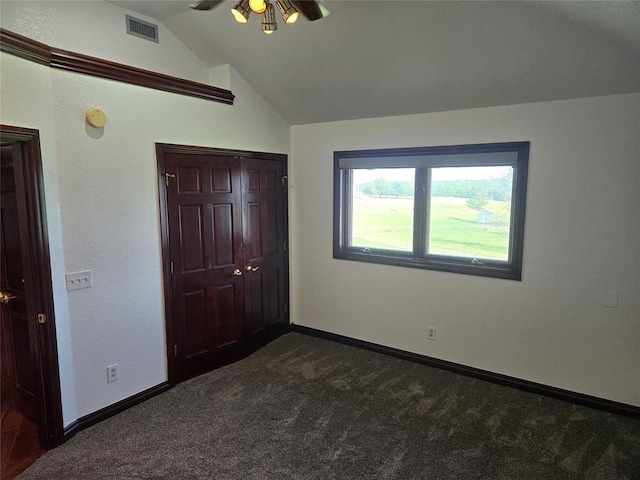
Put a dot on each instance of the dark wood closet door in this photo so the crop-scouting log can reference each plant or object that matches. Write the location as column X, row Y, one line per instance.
column 205, row 233
column 18, row 364
column 264, row 250
column 224, row 232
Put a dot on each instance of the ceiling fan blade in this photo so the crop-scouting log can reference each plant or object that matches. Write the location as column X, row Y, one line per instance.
column 205, row 4
column 311, row 9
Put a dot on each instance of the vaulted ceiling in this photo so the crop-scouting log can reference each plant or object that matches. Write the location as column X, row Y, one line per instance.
column 381, row 58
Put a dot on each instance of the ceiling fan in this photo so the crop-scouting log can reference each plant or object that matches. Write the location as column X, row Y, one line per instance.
column 290, row 10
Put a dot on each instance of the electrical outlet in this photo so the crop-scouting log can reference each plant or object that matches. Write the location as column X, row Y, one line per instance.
column 612, row 299
column 431, row 333
column 112, row 373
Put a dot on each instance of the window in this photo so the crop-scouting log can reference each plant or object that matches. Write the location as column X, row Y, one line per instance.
column 457, row 209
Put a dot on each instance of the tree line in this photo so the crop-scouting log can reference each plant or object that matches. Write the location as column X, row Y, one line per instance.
column 498, row 189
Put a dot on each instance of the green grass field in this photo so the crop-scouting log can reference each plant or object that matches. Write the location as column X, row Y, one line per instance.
column 454, row 230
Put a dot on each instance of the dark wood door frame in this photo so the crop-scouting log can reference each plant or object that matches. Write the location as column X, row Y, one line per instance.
column 161, row 150
column 27, row 156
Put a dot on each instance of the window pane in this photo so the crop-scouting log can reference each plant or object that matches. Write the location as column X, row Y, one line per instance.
column 382, row 208
column 469, row 207
column 470, row 212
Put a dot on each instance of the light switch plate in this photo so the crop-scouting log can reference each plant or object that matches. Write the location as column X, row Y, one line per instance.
column 78, row 280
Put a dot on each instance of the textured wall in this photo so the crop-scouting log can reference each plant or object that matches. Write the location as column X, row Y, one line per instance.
column 98, row 29
column 102, row 198
column 23, row 106
column 581, row 240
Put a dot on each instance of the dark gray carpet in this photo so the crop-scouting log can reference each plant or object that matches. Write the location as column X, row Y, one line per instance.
column 305, row 408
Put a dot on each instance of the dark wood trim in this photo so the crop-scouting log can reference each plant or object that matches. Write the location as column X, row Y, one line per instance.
column 31, row 50
column 161, row 150
column 285, row 225
column 221, row 152
column 70, row 431
column 49, row 402
column 24, row 47
column 525, row 385
column 76, row 62
column 166, row 259
column 106, row 412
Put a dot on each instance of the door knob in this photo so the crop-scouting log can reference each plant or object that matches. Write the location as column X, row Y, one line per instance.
column 6, row 297
column 236, row 272
column 252, row 269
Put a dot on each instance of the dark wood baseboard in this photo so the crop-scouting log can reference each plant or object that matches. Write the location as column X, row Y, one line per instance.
column 111, row 410
column 106, row 412
column 525, row 385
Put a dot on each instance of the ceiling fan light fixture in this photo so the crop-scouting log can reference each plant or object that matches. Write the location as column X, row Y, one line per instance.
column 241, row 11
column 288, row 11
column 324, row 11
column 269, row 24
column 258, row 6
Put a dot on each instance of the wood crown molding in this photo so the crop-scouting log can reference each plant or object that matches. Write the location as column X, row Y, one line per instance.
column 37, row 52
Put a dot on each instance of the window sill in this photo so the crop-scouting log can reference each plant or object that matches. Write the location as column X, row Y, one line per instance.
column 442, row 264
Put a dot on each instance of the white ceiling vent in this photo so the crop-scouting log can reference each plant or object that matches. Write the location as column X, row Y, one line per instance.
column 142, row 29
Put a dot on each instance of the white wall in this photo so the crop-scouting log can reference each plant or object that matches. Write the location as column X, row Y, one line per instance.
column 102, row 199
column 31, row 98
column 582, row 229
column 98, row 29
column 582, row 239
